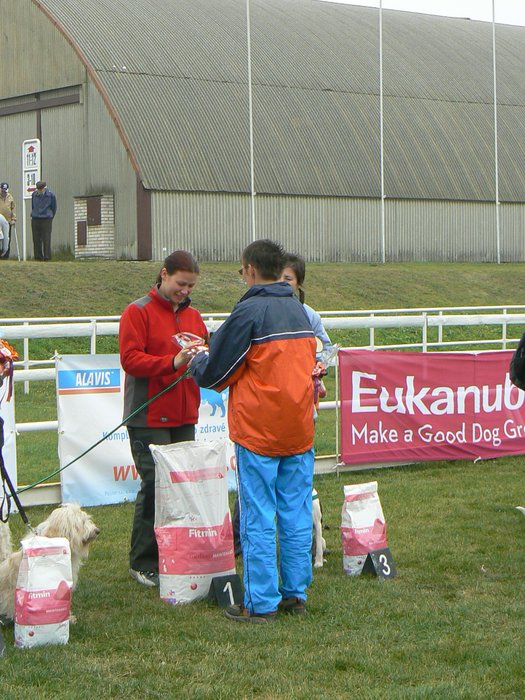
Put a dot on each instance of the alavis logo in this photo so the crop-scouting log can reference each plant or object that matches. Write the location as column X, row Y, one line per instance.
column 88, row 381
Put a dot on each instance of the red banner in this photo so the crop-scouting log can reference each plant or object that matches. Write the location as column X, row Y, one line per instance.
column 415, row 406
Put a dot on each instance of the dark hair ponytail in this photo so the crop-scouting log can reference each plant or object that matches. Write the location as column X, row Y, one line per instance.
column 179, row 260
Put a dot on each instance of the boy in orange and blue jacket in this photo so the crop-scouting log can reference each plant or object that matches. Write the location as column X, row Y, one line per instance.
column 265, row 353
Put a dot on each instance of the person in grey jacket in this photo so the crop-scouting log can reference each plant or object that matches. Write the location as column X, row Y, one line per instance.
column 43, row 210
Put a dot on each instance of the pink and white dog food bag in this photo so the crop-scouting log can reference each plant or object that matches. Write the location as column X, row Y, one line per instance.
column 43, row 592
column 192, row 518
column 363, row 526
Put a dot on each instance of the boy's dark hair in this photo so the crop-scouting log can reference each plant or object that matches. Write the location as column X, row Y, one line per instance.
column 297, row 264
column 266, row 256
column 179, row 260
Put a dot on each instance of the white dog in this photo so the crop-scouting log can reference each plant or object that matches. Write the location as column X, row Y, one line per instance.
column 318, row 541
column 67, row 521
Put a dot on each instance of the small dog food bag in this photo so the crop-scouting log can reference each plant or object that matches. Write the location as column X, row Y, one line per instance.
column 43, row 592
column 363, row 527
column 192, row 518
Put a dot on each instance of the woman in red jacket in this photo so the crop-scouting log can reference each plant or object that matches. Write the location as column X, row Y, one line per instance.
column 152, row 361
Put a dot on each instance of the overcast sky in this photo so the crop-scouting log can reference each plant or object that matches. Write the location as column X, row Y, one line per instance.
column 506, row 11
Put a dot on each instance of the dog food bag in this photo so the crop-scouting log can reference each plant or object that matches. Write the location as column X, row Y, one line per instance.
column 43, row 592
column 192, row 518
column 363, row 527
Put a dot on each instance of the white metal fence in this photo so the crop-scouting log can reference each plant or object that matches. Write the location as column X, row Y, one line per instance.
column 506, row 319
column 441, row 318
column 509, row 320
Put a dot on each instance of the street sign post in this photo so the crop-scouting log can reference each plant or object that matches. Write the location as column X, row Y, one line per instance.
column 30, row 165
column 31, row 158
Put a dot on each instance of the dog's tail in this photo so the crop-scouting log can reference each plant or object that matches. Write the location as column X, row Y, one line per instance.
column 6, row 546
column 521, row 509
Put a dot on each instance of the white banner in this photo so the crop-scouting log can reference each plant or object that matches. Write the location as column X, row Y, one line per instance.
column 7, row 411
column 213, row 424
column 89, row 406
column 90, row 391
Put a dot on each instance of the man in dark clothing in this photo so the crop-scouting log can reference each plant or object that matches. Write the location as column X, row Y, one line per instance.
column 43, row 210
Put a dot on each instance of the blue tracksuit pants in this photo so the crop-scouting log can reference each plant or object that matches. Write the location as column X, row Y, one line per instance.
column 275, row 495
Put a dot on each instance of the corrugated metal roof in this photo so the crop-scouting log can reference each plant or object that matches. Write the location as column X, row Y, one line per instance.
column 187, row 135
column 451, row 153
column 175, row 72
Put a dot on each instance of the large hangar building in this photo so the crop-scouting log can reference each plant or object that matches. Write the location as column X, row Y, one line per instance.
column 166, row 124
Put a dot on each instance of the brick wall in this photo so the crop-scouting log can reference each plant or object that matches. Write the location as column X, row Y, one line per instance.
column 95, row 240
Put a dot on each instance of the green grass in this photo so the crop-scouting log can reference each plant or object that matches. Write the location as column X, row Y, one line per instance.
column 105, row 287
column 450, row 625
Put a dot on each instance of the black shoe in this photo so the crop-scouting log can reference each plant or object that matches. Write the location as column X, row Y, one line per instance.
column 241, row 614
column 294, row 606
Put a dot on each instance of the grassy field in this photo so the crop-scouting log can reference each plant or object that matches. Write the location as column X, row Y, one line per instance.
column 105, row 287
column 450, row 625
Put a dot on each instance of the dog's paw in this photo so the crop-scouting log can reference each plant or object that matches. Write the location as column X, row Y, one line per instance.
column 318, row 565
column 72, row 619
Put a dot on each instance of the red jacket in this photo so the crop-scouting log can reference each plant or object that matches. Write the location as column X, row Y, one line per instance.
column 146, row 354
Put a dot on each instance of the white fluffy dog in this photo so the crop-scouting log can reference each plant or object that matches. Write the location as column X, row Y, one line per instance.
column 68, row 521
column 318, row 541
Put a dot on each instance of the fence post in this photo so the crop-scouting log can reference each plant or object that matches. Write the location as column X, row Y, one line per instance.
column 26, row 358
column 93, row 337
column 424, row 346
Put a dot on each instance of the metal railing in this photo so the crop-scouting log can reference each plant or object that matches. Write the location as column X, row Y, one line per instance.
column 431, row 317
column 26, row 369
column 503, row 317
column 372, row 320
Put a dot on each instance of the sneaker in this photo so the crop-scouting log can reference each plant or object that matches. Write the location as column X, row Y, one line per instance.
column 294, row 606
column 241, row 614
column 146, row 578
